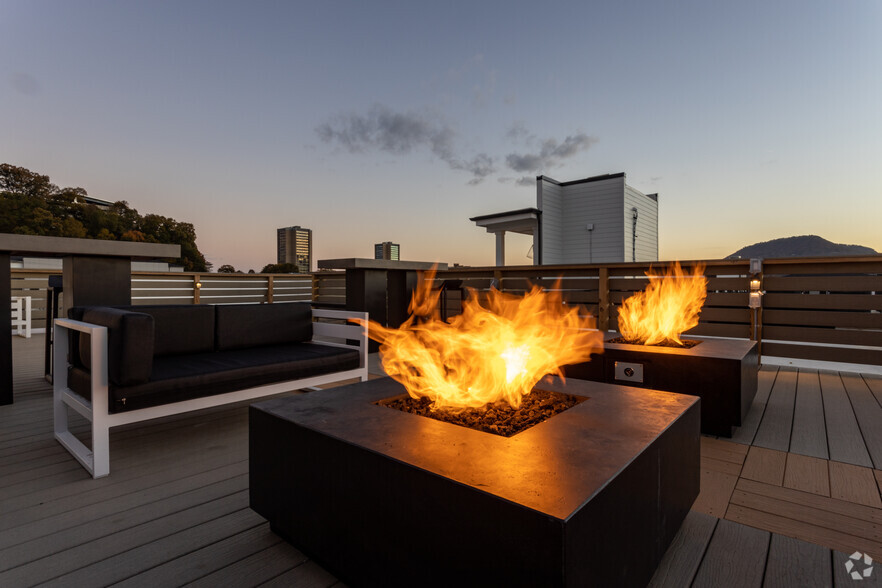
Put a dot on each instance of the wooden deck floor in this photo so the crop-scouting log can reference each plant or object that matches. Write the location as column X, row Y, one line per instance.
column 783, row 503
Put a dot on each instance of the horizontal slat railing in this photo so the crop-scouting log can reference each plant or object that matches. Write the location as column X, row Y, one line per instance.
column 600, row 289
column 33, row 283
column 330, row 288
column 816, row 309
column 826, row 309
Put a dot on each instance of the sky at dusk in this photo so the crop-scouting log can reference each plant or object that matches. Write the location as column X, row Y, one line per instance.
column 397, row 121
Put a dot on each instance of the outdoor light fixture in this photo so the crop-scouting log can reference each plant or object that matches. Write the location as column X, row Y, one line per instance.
column 198, row 284
column 756, row 296
column 756, row 266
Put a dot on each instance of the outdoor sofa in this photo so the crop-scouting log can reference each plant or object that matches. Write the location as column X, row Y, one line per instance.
column 119, row 365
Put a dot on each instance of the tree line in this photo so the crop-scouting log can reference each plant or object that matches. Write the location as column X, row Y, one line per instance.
column 30, row 204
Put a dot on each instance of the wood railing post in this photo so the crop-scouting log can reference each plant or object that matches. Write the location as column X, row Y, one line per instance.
column 603, row 300
column 315, row 287
column 197, row 286
column 758, row 323
column 269, row 290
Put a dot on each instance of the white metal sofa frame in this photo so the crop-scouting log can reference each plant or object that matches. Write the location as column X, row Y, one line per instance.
column 97, row 461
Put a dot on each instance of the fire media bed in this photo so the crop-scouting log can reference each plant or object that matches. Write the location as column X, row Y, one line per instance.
column 592, row 496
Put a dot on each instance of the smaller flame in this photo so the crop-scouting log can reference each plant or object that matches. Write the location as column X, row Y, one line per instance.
column 668, row 306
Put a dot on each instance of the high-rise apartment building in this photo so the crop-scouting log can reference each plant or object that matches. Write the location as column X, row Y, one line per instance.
column 295, row 246
column 387, row 250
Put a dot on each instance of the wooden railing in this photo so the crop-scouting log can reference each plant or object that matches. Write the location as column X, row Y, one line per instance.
column 192, row 288
column 827, row 309
column 33, row 283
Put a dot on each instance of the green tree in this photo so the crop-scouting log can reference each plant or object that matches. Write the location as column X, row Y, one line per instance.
column 226, row 269
column 19, row 180
column 279, row 268
column 30, row 204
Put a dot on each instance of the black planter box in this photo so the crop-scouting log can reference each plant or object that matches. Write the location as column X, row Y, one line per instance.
column 722, row 372
column 379, row 497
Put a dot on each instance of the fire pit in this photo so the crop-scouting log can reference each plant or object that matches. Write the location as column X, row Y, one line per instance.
column 651, row 354
column 723, row 372
column 380, row 497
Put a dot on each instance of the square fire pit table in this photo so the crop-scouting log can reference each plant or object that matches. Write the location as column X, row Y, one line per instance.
column 723, row 372
column 591, row 497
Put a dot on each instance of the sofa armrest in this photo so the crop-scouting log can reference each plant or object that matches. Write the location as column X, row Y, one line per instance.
column 97, row 362
column 341, row 334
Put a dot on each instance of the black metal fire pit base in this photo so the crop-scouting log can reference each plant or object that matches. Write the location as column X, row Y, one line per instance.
column 380, row 497
column 723, row 372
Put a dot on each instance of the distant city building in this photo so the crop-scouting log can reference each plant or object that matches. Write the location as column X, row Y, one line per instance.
column 295, row 246
column 387, row 250
column 600, row 219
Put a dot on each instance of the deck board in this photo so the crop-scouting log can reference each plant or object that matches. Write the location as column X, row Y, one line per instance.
column 854, row 484
column 765, row 465
column 774, row 430
column 747, row 431
column 868, row 413
column 843, row 434
column 735, row 557
column 841, row 579
column 793, row 562
column 254, row 569
column 809, row 435
column 681, row 561
column 192, row 566
column 808, row 474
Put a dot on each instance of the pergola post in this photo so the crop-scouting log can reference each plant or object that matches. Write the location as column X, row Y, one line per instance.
column 500, row 248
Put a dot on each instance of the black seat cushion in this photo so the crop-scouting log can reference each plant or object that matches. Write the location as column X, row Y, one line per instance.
column 177, row 378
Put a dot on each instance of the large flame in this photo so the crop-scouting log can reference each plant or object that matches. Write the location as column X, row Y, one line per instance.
column 666, row 308
column 487, row 353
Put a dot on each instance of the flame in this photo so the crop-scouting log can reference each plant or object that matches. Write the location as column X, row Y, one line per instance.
column 668, row 307
column 487, row 353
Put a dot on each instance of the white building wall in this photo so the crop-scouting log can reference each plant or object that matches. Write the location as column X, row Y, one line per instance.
column 548, row 200
column 599, row 203
column 647, row 225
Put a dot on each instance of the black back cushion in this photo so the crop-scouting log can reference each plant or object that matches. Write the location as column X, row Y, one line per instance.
column 181, row 328
column 253, row 325
column 129, row 344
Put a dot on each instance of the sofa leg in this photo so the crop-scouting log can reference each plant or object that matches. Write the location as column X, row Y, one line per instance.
column 100, row 450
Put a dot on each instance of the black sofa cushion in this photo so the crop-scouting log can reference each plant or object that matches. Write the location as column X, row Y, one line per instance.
column 254, row 325
column 177, row 378
column 129, row 344
column 178, row 329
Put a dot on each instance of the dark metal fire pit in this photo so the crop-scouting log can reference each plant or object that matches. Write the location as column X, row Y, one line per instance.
column 380, row 497
column 723, row 372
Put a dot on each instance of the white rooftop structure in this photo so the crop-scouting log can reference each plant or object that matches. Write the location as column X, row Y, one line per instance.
column 599, row 219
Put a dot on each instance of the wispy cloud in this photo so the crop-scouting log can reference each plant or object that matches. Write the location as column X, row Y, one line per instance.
column 401, row 133
column 550, row 154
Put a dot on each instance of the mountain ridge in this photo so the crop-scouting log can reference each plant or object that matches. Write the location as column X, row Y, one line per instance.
column 800, row 246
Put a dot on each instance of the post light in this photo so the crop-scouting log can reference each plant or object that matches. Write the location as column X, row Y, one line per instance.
column 756, row 296
column 756, row 265
column 198, row 284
